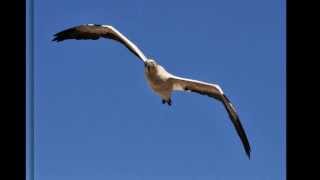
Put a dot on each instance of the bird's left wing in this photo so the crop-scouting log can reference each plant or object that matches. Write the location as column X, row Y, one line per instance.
column 94, row 32
column 213, row 90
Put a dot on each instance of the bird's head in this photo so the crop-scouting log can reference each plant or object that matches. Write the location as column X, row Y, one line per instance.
column 150, row 65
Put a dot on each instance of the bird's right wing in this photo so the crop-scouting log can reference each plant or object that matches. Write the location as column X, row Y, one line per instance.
column 94, row 32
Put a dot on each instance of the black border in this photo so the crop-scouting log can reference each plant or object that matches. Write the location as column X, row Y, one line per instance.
column 302, row 79
column 13, row 59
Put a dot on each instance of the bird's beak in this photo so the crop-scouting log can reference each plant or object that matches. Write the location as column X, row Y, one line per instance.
column 147, row 66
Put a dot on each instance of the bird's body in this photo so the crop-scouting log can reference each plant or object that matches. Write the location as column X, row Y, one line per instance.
column 159, row 79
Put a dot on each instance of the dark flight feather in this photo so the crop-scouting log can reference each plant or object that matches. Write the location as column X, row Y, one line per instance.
column 214, row 92
column 93, row 32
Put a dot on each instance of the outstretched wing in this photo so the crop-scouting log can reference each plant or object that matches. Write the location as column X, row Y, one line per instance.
column 214, row 91
column 94, row 32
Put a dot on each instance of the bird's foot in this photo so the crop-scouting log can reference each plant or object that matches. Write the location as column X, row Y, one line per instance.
column 169, row 102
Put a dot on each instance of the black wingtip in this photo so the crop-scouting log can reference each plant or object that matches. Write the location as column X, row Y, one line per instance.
column 237, row 123
column 57, row 37
column 246, row 144
column 248, row 151
column 63, row 35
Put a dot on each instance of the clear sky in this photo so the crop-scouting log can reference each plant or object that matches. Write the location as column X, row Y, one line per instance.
column 96, row 118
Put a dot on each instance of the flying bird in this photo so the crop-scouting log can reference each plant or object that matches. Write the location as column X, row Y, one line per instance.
column 159, row 79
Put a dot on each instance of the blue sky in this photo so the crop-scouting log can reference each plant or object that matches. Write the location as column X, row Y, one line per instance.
column 92, row 122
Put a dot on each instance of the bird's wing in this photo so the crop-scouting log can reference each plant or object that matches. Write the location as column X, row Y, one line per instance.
column 213, row 90
column 94, row 32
